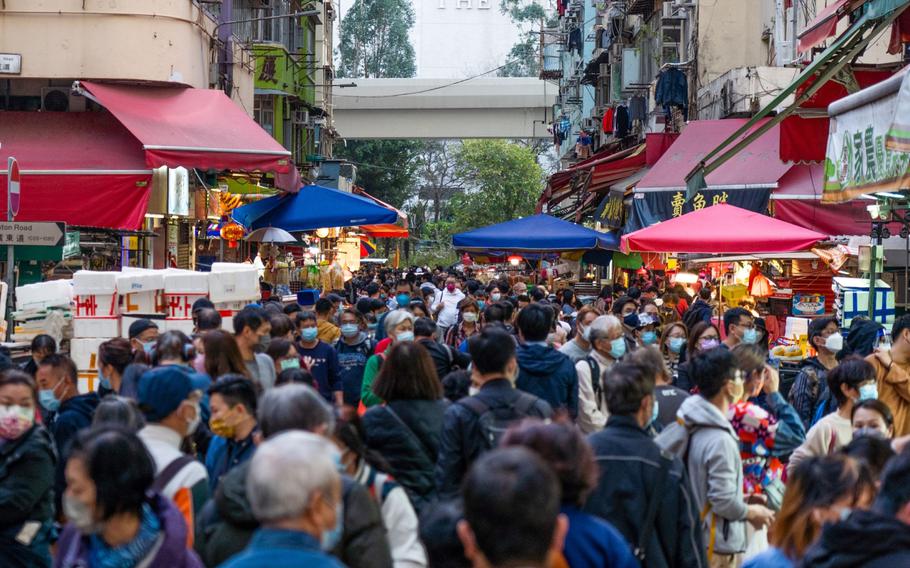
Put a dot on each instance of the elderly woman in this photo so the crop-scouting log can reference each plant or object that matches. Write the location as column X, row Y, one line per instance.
column 295, row 493
column 607, row 346
column 399, row 326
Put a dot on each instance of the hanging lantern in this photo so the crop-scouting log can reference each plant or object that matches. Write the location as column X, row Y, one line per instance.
column 232, row 232
column 322, row 233
column 515, row 260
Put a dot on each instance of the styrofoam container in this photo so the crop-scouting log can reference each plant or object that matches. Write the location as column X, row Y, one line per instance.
column 94, row 328
column 796, row 327
column 95, row 305
column 42, row 295
column 227, row 323
column 184, row 325
column 134, row 280
column 88, row 381
column 178, row 281
column 230, row 306
column 233, row 283
column 84, row 352
column 148, row 302
column 180, row 306
column 88, row 282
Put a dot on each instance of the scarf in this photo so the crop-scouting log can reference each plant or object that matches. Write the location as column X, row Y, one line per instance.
column 101, row 555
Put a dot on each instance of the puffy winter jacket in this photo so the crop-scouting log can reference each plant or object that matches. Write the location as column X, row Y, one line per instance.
column 866, row 539
column 550, row 375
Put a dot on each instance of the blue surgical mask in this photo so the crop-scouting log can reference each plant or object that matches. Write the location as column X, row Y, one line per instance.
column 677, row 344
column 403, row 300
column 750, row 336
column 309, row 334
column 48, row 400
column 649, row 337
column 618, row 348
column 331, row 538
column 405, row 336
column 868, row 392
column 481, row 304
column 148, row 347
column 349, row 329
column 654, row 412
column 105, row 382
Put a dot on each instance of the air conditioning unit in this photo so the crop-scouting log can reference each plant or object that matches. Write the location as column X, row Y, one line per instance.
column 60, row 99
column 590, row 124
column 348, row 170
column 301, row 116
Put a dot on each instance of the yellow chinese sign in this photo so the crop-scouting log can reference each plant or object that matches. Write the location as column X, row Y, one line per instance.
column 678, row 201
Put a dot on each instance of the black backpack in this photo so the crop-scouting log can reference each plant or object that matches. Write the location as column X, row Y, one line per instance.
column 494, row 422
column 596, row 383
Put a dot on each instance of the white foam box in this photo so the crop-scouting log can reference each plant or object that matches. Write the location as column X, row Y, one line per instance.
column 107, row 328
column 229, row 282
column 227, row 322
column 42, row 295
column 184, row 325
column 138, row 280
column 95, row 294
column 180, row 306
column 178, row 281
column 95, row 306
column 84, row 352
column 796, row 327
column 88, row 381
column 138, row 303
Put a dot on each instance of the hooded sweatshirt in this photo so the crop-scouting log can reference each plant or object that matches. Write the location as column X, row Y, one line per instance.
column 711, row 452
column 867, row 539
column 550, row 375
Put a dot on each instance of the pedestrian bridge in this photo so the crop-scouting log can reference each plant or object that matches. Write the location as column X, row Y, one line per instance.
column 500, row 107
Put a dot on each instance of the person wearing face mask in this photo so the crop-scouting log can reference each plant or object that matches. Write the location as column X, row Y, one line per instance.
column 233, row 423
column 403, row 292
column 114, row 357
column 579, row 347
column 284, row 353
column 65, row 410
column 399, row 327
column 170, row 405
column 320, row 359
column 354, row 349
column 446, row 307
column 872, row 417
column 673, row 347
column 892, row 373
column 467, row 324
column 702, row 337
column 810, row 386
column 608, row 346
column 252, row 330
column 116, row 514
column 27, row 463
column 852, row 381
column 739, row 326
column 704, row 438
column 645, row 329
column 495, row 293
column 143, row 334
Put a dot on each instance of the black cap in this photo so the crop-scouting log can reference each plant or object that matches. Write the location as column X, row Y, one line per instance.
column 138, row 326
column 201, row 304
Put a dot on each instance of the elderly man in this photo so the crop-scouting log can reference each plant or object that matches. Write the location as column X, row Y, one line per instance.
column 295, row 492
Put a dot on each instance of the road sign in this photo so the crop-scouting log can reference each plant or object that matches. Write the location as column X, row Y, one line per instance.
column 12, row 182
column 14, row 233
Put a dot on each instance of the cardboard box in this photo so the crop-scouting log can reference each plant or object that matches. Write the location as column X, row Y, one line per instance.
column 94, row 328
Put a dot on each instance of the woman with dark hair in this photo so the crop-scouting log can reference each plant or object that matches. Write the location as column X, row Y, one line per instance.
column 114, row 356
column 116, row 516
column 284, row 354
column 871, row 450
column 819, row 491
column 27, row 464
column 297, row 375
column 591, row 542
column 673, row 346
column 282, row 327
column 466, row 325
column 406, row 429
column 702, row 337
column 369, row 469
column 222, row 356
column 120, row 411
column 42, row 346
column 872, row 417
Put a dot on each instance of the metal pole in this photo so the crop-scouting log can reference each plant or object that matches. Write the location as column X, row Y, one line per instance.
column 876, row 239
column 10, row 257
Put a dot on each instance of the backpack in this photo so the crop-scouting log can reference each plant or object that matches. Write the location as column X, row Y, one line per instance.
column 596, row 383
column 494, row 422
column 824, row 408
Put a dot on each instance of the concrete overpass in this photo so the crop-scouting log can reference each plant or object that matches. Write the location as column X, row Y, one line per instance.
column 500, row 107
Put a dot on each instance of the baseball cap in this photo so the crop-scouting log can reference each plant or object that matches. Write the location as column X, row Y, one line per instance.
column 140, row 325
column 162, row 390
column 201, row 304
column 638, row 321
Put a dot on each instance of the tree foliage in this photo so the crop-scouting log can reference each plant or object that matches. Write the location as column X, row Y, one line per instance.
column 524, row 57
column 385, row 168
column 505, row 181
column 375, row 41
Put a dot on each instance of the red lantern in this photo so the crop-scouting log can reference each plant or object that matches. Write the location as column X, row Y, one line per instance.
column 232, row 232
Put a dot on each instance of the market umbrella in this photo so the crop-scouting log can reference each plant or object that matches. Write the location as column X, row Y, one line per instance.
column 721, row 228
column 271, row 235
column 313, row 207
column 534, row 234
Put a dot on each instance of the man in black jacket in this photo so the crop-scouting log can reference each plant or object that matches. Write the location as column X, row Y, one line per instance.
column 474, row 424
column 634, row 471
column 879, row 538
column 700, row 310
column 445, row 359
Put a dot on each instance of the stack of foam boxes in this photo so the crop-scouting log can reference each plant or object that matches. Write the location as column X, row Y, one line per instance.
column 96, row 318
column 231, row 287
column 36, row 307
column 181, row 290
column 141, row 297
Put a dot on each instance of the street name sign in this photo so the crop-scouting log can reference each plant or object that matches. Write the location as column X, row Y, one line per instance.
column 33, row 234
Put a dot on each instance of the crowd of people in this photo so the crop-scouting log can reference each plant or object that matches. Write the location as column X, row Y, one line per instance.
column 430, row 418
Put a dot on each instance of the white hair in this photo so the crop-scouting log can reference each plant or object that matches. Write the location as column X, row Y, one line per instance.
column 286, row 470
column 394, row 318
column 602, row 326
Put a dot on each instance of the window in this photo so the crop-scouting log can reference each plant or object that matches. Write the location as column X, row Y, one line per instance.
column 264, row 112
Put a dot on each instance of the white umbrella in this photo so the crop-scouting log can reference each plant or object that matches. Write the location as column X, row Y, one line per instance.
column 271, row 235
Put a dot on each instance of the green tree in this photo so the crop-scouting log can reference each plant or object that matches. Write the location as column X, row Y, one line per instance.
column 385, row 168
column 524, row 57
column 505, row 181
column 375, row 41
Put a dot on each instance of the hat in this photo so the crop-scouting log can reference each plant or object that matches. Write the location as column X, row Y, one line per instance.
column 639, row 321
column 140, row 325
column 201, row 304
column 307, row 297
column 162, row 390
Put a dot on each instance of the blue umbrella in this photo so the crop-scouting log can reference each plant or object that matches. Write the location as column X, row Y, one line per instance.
column 534, row 234
column 313, row 207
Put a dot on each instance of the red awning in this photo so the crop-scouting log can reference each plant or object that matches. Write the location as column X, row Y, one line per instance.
column 823, row 26
column 607, row 173
column 756, row 166
column 194, row 128
column 81, row 168
column 724, row 229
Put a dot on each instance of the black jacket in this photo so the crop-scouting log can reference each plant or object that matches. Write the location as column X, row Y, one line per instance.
column 629, row 463
column 700, row 310
column 406, row 433
column 227, row 524
column 73, row 415
column 548, row 374
column 866, row 539
column 445, row 359
column 462, row 438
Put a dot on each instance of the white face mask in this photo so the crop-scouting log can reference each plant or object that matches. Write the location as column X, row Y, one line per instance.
column 834, row 342
column 80, row 515
column 472, row 390
column 469, row 317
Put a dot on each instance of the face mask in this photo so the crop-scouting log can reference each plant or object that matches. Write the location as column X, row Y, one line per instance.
column 834, row 342
column 586, row 332
column 405, row 336
column 80, row 515
column 331, row 538
column 105, row 382
column 618, row 348
column 15, row 420
column 199, row 363
column 383, row 296
column 495, row 296
column 192, row 424
column 403, row 300
column 372, row 326
column 221, row 428
column 48, row 400
column 868, row 392
column 481, row 304
column 290, row 364
column 309, row 334
column 654, row 412
column 472, row 390
column 349, row 329
column 649, row 337
column 450, row 287
column 148, row 347
column 750, row 336
column 263, row 344
column 677, row 344
column 707, row 344
column 469, row 317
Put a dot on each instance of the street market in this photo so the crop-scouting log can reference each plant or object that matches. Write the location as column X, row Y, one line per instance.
column 455, row 283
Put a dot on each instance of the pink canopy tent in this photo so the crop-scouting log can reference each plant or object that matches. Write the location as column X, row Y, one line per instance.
column 722, row 229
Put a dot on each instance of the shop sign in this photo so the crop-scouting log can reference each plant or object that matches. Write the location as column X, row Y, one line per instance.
column 859, row 160
column 178, row 191
column 610, row 212
column 10, row 63
column 650, row 207
column 32, row 234
column 808, row 305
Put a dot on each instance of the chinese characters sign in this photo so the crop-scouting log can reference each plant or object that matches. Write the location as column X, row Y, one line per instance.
column 655, row 206
column 610, row 212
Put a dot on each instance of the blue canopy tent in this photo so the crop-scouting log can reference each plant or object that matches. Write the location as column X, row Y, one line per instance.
column 538, row 235
column 313, row 207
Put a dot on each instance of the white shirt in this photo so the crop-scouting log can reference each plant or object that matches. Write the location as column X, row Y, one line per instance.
column 449, row 313
column 592, row 417
column 164, row 446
